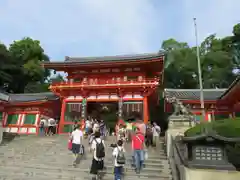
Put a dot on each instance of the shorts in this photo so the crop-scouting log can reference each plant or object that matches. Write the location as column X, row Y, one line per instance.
column 76, row 148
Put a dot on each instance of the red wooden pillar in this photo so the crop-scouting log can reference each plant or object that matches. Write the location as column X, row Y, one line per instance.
column 61, row 123
column 38, row 119
column 145, row 110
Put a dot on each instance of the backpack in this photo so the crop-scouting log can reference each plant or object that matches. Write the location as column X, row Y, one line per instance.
column 149, row 130
column 41, row 124
column 121, row 157
column 100, row 150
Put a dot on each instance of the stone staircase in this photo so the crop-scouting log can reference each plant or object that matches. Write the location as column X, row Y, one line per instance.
column 41, row 158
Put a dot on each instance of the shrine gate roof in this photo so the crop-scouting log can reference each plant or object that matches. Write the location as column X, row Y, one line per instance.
column 194, row 94
column 126, row 59
column 135, row 57
column 30, row 97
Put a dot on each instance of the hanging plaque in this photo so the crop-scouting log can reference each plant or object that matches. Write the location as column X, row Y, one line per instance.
column 120, row 104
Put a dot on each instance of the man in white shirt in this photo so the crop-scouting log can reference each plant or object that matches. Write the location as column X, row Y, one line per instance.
column 76, row 138
column 156, row 133
column 119, row 161
column 51, row 126
column 97, row 162
column 96, row 127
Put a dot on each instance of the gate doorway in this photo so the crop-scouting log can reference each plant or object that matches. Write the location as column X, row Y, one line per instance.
column 107, row 111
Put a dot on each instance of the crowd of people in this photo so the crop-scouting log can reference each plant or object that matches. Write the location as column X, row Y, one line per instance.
column 47, row 126
column 93, row 125
column 141, row 136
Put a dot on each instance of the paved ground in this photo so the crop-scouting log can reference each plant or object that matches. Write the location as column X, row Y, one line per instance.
column 41, row 158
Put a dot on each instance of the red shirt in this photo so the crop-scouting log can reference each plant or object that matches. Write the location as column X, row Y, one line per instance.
column 137, row 142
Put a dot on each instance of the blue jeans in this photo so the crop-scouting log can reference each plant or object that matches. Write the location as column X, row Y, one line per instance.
column 138, row 159
column 41, row 131
column 118, row 172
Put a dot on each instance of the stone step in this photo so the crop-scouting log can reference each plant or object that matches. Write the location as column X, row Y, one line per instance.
column 6, row 151
column 85, row 163
column 82, row 177
column 48, row 158
column 55, row 150
column 69, row 160
column 67, row 172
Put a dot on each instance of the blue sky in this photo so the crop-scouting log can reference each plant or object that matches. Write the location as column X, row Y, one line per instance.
column 113, row 27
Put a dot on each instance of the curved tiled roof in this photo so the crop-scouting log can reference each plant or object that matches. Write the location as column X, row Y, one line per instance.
column 4, row 97
column 194, row 94
column 106, row 59
column 32, row 97
column 234, row 84
column 132, row 57
column 29, row 97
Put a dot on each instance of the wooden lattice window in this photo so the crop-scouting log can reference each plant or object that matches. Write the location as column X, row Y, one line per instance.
column 73, row 112
column 30, row 119
column 129, row 108
column 12, row 119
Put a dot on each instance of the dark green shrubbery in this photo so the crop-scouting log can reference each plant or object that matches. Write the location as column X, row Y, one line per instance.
column 227, row 128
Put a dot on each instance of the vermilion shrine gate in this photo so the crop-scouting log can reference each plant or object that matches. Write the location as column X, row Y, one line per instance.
column 131, row 81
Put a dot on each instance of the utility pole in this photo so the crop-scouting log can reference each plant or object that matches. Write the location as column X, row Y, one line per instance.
column 199, row 72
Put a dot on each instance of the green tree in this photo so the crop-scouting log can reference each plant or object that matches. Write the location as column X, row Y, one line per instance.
column 57, row 79
column 217, row 67
column 231, row 44
column 180, row 65
column 28, row 56
column 219, row 57
column 5, row 65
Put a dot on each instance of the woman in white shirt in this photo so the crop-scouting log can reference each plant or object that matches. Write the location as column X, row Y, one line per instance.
column 97, row 162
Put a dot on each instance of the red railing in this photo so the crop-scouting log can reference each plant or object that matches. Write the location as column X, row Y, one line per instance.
column 107, row 83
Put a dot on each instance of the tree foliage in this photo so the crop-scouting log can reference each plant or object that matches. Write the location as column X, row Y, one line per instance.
column 220, row 62
column 21, row 66
column 21, row 70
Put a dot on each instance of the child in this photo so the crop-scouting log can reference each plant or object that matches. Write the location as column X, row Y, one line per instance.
column 121, row 132
column 119, row 160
